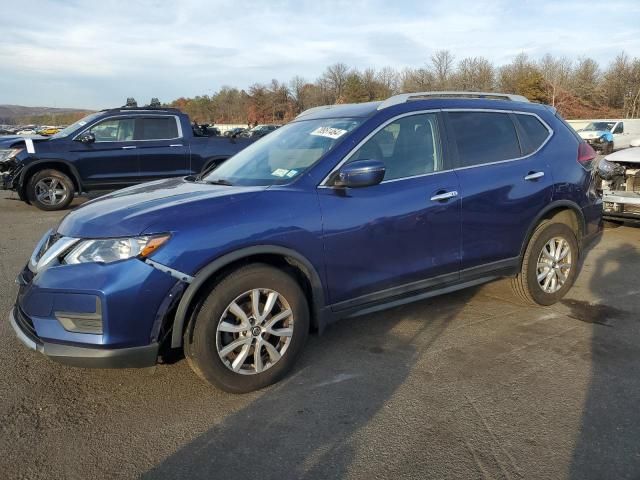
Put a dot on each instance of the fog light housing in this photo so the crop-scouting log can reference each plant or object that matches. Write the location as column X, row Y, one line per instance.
column 78, row 322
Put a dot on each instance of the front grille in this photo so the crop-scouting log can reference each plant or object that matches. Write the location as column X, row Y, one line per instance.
column 25, row 324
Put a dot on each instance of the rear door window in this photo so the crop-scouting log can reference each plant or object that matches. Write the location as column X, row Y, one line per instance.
column 535, row 131
column 484, row 137
column 156, row 128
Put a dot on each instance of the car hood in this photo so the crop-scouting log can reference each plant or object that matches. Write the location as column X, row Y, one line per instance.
column 588, row 135
column 628, row 155
column 10, row 140
column 150, row 208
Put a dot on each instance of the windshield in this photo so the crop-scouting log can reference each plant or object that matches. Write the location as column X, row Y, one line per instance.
column 599, row 126
column 65, row 132
column 284, row 154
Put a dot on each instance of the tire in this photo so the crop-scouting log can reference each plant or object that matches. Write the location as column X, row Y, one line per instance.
column 217, row 326
column 526, row 286
column 50, row 190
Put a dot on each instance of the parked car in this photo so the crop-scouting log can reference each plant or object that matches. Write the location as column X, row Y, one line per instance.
column 234, row 132
column 260, row 131
column 609, row 135
column 313, row 223
column 620, row 172
column 47, row 131
column 27, row 131
column 108, row 150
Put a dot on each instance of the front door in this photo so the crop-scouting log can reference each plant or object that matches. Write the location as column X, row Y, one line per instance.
column 395, row 238
column 112, row 160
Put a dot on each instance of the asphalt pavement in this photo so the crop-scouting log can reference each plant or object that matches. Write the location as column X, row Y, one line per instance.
column 466, row 385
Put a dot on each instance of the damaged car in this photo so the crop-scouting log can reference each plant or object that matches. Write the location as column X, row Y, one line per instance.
column 620, row 174
column 109, row 150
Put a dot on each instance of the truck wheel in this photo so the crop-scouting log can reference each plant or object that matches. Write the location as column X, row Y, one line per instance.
column 549, row 266
column 50, row 190
column 249, row 330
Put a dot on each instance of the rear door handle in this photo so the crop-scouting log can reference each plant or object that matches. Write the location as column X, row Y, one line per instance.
column 130, row 147
column 444, row 196
column 534, row 175
column 176, row 145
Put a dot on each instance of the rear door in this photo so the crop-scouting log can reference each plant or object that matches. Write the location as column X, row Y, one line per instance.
column 162, row 150
column 505, row 181
column 111, row 160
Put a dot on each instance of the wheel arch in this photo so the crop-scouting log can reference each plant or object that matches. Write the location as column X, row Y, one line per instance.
column 60, row 165
column 565, row 209
column 280, row 257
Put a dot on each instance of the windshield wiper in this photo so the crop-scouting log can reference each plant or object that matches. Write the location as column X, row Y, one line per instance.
column 219, row 181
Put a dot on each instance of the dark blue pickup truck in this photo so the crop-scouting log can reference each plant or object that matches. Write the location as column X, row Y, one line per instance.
column 108, row 150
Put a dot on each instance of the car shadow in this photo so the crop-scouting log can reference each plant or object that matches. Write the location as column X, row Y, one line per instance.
column 303, row 427
column 608, row 444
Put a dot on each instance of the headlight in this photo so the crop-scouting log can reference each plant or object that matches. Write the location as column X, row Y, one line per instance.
column 113, row 249
column 8, row 153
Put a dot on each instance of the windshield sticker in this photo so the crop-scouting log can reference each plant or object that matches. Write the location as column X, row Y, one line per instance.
column 30, row 146
column 329, row 132
column 280, row 172
column 81, row 123
column 292, row 173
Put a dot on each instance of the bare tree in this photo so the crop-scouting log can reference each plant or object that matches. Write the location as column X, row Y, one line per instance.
column 475, row 74
column 557, row 74
column 442, row 69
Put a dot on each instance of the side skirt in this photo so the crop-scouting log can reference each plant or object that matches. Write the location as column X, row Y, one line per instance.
column 423, row 289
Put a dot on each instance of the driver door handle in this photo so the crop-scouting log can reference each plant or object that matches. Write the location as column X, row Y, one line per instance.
column 444, row 196
column 130, row 147
column 534, row 175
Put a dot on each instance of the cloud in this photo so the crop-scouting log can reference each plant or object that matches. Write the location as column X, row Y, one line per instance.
column 94, row 55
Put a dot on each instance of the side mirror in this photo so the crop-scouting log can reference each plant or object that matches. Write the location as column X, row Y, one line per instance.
column 87, row 137
column 361, row 173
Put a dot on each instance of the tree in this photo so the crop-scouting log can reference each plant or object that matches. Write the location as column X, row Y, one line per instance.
column 475, row 74
column 442, row 69
column 523, row 77
column 557, row 74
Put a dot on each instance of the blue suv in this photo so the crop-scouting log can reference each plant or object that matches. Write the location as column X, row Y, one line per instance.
column 346, row 210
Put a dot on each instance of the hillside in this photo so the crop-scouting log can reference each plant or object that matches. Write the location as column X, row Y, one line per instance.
column 17, row 114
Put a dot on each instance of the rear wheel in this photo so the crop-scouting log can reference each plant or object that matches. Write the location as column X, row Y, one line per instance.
column 50, row 190
column 249, row 330
column 550, row 265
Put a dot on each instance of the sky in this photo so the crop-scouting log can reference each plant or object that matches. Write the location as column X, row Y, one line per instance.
column 78, row 54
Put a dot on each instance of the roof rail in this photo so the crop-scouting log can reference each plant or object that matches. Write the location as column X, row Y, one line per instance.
column 315, row 109
column 406, row 97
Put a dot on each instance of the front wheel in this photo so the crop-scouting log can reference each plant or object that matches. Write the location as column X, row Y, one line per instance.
column 249, row 330
column 50, row 190
column 550, row 265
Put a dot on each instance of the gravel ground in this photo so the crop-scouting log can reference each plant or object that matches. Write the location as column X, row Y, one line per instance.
column 467, row 385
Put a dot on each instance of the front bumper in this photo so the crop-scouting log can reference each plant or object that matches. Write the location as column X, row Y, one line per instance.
column 621, row 205
column 132, row 357
column 9, row 174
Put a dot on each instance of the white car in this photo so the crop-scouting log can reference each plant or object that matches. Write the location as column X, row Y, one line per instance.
column 28, row 131
column 620, row 172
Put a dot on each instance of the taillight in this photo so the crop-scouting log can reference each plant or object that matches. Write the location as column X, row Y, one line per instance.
column 586, row 155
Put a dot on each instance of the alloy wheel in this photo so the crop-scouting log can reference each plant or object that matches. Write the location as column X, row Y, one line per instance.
column 554, row 265
column 254, row 331
column 51, row 191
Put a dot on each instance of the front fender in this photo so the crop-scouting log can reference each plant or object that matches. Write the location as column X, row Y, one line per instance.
column 207, row 272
